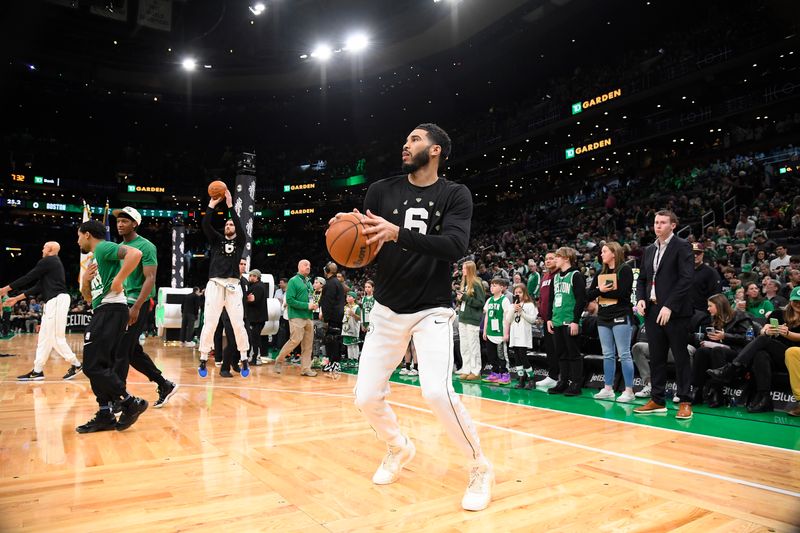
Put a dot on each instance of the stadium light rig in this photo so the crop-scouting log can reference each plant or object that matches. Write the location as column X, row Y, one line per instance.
column 257, row 8
column 356, row 42
column 322, row 52
column 189, row 64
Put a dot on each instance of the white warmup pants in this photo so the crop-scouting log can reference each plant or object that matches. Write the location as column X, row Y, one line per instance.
column 384, row 348
column 52, row 333
column 470, row 343
column 217, row 298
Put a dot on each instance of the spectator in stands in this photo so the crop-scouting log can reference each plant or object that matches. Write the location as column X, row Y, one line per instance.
column 724, row 339
column 793, row 365
column 534, row 279
column 520, row 337
column 662, row 291
column 772, row 288
column 765, row 354
column 496, row 323
column 792, row 281
column 749, row 255
column 705, row 283
column 782, row 259
column 32, row 316
column 545, row 297
column 470, row 298
column 566, row 308
column 615, row 323
column 745, row 225
column 756, row 305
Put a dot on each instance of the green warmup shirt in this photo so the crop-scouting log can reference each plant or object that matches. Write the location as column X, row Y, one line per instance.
column 563, row 299
column 134, row 282
column 108, row 266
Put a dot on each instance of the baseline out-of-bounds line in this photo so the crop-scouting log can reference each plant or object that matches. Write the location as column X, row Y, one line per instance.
column 620, row 455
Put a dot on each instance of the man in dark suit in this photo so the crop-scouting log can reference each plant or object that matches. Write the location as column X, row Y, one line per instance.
column 662, row 291
column 332, row 312
column 256, row 312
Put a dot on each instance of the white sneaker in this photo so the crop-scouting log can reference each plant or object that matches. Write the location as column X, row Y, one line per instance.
column 479, row 491
column 190, row 344
column 604, row 394
column 546, row 383
column 396, row 458
column 644, row 393
column 626, row 397
column 676, row 399
column 413, row 372
column 404, row 372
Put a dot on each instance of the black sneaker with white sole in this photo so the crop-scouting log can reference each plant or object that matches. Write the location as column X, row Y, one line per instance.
column 73, row 371
column 104, row 420
column 165, row 393
column 31, row 376
column 130, row 412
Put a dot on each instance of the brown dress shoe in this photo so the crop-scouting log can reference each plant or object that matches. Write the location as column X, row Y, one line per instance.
column 649, row 408
column 472, row 377
column 795, row 411
column 684, row 411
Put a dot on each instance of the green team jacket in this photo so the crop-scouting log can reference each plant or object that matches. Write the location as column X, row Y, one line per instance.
column 471, row 307
column 297, row 291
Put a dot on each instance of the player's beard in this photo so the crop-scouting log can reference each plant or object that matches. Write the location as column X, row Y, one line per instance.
column 417, row 162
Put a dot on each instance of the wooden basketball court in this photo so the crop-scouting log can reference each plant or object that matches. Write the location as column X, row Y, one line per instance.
column 285, row 453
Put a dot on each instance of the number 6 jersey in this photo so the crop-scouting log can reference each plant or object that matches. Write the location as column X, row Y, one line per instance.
column 414, row 272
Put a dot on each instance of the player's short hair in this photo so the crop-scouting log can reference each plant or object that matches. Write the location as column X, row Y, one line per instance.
column 500, row 281
column 94, row 228
column 438, row 136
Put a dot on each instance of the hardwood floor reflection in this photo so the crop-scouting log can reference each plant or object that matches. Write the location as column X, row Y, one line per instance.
column 285, row 453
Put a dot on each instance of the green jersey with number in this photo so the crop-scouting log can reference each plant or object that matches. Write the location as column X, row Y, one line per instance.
column 563, row 298
column 494, row 312
column 367, row 303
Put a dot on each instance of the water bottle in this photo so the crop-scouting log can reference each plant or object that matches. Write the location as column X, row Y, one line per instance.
column 750, row 334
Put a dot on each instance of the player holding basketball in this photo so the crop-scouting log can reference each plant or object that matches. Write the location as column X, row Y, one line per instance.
column 223, row 289
column 421, row 224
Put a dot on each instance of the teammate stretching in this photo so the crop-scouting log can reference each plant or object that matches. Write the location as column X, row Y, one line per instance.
column 140, row 286
column 421, row 224
column 223, row 289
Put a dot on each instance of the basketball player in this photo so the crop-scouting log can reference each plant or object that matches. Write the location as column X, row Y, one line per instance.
column 140, row 286
column 223, row 289
column 47, row 278
column 103, row 286
column 420, row 224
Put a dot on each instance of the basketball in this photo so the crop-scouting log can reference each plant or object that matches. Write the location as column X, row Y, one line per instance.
column 216, row 189
column 347, row 243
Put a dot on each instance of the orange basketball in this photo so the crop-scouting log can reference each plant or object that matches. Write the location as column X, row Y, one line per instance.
column 216, row 189
column 347, row 243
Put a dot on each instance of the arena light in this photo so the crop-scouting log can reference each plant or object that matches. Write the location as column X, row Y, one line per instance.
column 322, row 52
column 356, row 42
column 189, row 64
column 257, row 8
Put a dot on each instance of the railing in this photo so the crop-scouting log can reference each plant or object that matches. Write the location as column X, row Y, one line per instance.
column 684, row 231
column 708, row 219
column 729, row 206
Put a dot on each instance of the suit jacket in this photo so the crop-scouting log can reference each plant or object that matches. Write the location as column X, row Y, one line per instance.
column 674, row 278
column 332, row 300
